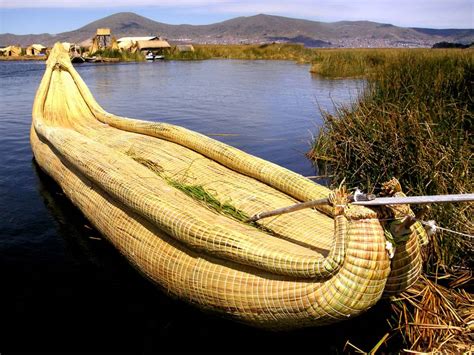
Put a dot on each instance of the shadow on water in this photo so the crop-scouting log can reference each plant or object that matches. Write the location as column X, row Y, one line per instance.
column 90, row 298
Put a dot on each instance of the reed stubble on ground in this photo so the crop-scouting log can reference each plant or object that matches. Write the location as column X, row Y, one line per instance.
column 414, row 121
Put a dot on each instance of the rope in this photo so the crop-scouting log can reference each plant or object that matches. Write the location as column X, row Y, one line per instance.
column 358, row 195
column 432, row 225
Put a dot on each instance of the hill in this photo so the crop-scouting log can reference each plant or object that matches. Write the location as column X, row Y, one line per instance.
column 256, row 29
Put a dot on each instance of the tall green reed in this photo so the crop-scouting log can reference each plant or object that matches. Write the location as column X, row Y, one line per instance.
column 414, row 121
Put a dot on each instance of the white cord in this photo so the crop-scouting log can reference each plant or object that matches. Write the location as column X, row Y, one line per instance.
column 390, row 249
column 431, row 227
column 357, row 194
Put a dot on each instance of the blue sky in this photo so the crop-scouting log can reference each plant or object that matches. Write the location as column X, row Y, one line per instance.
column 54, row 16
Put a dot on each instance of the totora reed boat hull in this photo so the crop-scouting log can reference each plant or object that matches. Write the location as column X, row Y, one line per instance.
column 174, row 203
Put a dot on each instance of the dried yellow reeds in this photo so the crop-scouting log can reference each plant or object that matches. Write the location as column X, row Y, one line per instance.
column 435, row 318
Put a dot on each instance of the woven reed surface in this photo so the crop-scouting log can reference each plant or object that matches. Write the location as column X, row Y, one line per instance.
column 407, row 262
column 259, row 298
column 315, row 268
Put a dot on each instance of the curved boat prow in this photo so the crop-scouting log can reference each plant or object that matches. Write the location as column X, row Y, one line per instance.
column 134, row 180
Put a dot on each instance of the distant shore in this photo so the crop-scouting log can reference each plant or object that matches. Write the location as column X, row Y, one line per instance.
column 23, row 58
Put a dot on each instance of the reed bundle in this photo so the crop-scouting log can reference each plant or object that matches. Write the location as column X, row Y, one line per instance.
column 172, row 201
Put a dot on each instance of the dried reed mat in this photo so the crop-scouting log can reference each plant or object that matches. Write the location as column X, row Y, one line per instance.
column 137, row 183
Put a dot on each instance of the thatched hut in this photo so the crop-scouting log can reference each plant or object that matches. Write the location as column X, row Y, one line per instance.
column 126, row 43
column 155, row 46
column 104, row 37
column 11, row 51
column 185, row 48
column 102, row 40
column 36, row 49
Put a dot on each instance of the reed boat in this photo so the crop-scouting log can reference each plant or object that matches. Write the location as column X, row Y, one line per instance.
column 175, row 203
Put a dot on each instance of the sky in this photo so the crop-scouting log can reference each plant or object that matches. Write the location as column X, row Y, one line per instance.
column 55, row 16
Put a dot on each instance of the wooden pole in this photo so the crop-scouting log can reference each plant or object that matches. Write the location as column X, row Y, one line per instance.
column 369, row 200
column 292, row 208
column 302, row 205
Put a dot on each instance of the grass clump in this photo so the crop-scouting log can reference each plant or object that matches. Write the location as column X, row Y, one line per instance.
column 414, row 122
column 198, row 193
column 344, row 63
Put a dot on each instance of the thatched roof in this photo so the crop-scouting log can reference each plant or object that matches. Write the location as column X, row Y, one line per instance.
column 135, row 39
column 128, row 42
column 157, row 44
column 38, row 47
column 103, row 32
column 125, row 44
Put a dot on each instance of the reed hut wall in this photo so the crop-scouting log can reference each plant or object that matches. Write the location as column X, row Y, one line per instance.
column 12, row 51
column 36, row 49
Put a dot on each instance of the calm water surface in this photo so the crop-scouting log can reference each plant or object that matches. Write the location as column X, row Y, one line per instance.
column 64, row 287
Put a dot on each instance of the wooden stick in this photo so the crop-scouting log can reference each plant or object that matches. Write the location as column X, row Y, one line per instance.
column 413, row 200
column 292, row 208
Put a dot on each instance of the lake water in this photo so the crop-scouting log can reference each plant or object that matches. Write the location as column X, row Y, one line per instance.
column 63, row 287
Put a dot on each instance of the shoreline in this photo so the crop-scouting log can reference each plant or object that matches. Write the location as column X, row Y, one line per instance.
column 23, row 58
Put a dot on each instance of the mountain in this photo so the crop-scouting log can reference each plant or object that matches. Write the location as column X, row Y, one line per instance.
column 257, row 29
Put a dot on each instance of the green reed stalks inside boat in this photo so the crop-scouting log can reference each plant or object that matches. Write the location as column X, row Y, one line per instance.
column 198, row 193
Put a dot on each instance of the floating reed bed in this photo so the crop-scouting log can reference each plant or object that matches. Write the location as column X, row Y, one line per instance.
column 344, row 63
column 277, row 51
column 414, row 121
